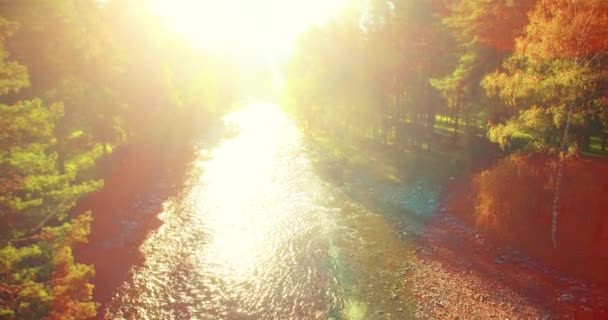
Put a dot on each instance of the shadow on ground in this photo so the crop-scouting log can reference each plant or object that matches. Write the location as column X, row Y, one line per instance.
column 458, row 273
column 136, row 186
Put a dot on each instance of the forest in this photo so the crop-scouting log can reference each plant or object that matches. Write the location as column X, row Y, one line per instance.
column 512, row 95
column 513, row 92
column 79, row 81
column 418, row 73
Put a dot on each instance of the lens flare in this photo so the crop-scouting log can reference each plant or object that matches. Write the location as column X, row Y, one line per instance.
column 248, row 30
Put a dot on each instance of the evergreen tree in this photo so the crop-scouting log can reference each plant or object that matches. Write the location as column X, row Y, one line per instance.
column 38, row 275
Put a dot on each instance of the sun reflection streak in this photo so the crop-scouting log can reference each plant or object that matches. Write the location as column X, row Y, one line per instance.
column 235, row 178
column 257, row 234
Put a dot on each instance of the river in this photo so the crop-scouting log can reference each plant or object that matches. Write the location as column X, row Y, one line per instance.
column 258, row 233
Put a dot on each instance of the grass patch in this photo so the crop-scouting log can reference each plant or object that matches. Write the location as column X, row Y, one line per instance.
column 595, row 147
column 349, row 156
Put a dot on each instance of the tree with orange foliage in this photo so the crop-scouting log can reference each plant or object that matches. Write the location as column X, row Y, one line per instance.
column 495, row 23
column 486, row 31
column 558, row 71
column 555, row 80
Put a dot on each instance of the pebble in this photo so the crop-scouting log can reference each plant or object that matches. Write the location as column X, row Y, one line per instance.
column 565, row 297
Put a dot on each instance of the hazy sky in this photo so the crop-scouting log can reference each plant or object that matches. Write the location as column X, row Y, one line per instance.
column 248, row 29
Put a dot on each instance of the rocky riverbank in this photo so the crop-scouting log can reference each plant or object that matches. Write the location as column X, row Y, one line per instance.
column 126, row 210
column 461, row 275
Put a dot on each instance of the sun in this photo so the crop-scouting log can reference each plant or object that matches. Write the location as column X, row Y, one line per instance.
column 246, row 29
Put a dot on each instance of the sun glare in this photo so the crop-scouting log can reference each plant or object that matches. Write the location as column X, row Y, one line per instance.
column 250, row 30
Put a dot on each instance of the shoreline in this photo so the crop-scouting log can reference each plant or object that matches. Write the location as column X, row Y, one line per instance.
column 452, row 258
column 125, row 211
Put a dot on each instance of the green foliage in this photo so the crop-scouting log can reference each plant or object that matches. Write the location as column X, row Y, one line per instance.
column 366, row 74
column 80, row 79
column 41, row 280
column 38, row 275
column 546, row 86
column 528, row 75
column 460, row 89
column 13, row 76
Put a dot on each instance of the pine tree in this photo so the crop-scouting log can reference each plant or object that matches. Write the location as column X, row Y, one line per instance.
column 38, row 275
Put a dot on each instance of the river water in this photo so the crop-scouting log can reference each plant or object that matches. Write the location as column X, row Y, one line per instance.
column 258, row 233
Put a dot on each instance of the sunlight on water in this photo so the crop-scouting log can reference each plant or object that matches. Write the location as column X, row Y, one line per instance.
column 258, row 234
column 237, row 177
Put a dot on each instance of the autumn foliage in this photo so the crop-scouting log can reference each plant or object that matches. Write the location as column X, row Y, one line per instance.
column 566, row 28
column 494, row 23
column 531, row 76
column 79, row 80
column 512, row 203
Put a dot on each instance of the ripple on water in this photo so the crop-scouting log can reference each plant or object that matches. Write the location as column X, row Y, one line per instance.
column 254, row 235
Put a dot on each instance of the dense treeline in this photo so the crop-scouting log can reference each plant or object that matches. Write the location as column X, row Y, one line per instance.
column 79, row 79
column 471, row 78
column 412, row 73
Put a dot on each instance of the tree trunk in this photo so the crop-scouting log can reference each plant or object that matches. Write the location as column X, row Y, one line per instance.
column 456, row 115
column 456, row 123
column 61, row 133
column 60, row 154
